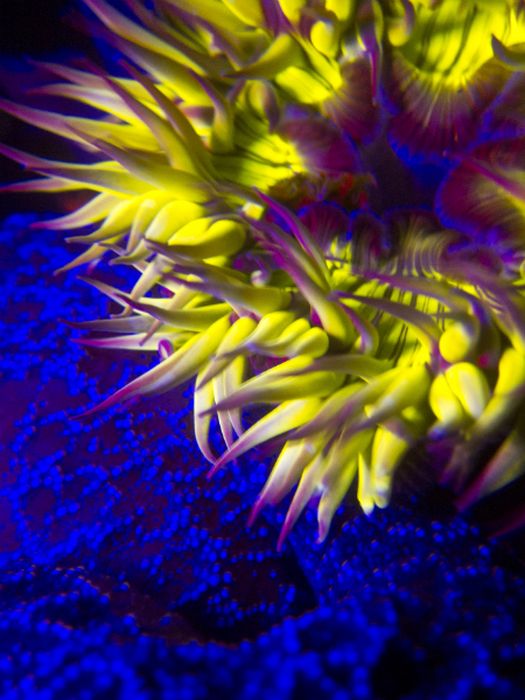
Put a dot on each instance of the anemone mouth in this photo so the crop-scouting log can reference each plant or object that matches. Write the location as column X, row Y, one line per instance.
column 227, row 168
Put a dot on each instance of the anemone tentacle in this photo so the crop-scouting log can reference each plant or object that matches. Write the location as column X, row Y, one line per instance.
column 233, row 165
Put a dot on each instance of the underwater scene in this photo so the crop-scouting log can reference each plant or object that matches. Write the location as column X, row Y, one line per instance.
column 262, row 359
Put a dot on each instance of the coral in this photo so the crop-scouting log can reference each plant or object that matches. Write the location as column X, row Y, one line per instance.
column 234, row 167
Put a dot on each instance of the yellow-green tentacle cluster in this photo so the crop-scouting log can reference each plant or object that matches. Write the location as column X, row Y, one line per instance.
column 364, row 363
column 226, row 165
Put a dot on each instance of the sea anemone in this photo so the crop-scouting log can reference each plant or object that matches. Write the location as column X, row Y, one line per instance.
column 236, row 164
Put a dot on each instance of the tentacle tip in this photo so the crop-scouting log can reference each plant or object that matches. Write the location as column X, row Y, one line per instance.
column 252, row 517
column 255, row 511
column 467, row 498
column 283, row 535
column 280, row 541
column 322, row 532
column 215, row 468
column 206, row 452
column 367, row 506
column 86, row 413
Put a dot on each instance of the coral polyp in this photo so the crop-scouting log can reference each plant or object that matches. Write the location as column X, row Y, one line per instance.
column 236, row 165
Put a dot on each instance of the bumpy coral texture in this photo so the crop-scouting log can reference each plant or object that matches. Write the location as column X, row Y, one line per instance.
column 235, row 165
